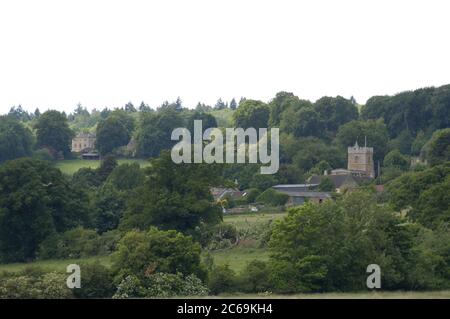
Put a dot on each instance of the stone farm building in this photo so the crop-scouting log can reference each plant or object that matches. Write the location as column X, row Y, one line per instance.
column 301, row 193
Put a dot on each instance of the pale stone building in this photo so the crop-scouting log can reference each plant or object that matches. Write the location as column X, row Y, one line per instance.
column 360, row 170
column 83, row 142
column 360, row 160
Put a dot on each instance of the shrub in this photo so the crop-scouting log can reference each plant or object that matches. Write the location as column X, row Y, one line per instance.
column 43, row 154
column 252, row 194
column 129, row 287
column 49, row 286
column 165, row 285
column 96, row 282
column 161, row 285
column 255, row 277
column 143, row 253
column 222, row 236
column 77, row 243
column 222, row 279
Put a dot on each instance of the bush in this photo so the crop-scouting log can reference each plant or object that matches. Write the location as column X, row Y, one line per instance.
column 44, row 286
column 143, row 253
column 222, row 236
column 327, row 247
column 43, row 154
column 130, row 287
column 222, row 279
column 252, row 194
column 165, row 285
column 96, row 282
column 161, row 285
column 77, row 243
column 255, row 277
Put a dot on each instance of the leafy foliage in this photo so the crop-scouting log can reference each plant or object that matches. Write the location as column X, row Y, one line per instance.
column 174, row 196
column 15, row 139
column 35, row 202
column 143, row 253
column 52, row 131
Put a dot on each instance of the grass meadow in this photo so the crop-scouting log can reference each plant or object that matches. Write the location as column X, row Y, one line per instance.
column 69, row 167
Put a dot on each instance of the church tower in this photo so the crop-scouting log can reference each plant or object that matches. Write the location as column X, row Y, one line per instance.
column 360, row 160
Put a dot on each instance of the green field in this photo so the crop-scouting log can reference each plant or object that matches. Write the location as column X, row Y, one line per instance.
column 54, row 265
column 238, row 258
column 71, row 166
column 243, row 221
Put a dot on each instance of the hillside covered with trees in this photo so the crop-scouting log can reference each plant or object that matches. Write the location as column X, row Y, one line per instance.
column 160, row 224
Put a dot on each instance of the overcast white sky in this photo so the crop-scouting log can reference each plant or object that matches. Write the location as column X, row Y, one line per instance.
column 55, row 54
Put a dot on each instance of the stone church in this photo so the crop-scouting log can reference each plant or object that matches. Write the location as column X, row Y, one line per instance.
column 360, row 160
column 360, row 169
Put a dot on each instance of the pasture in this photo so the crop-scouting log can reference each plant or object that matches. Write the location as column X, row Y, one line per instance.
column 69, row 167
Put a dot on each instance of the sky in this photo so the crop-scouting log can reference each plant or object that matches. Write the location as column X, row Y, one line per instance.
column 55, row 54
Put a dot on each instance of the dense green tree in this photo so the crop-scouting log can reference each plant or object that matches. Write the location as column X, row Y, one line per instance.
column 374, row 132
column 334, row 112
column 222, row 279
column 412, row 110
column 320, row 168
column 129, row 108
column 52, row 131
column 108, row 206
column 282, row 102
column 233, row 104
column 437, row 149
column 174, row 196
column 419, row 142
column 311, row 151
column 433, row 207
column 15, row 139
column 302, row 122
column 126, row 177
column 325, row 247
column 255, row 277
column 208, row 121
column 144, row 253
column 432, row 249
column 423, row 194
column 154, row 133
column 396, row 159
column 20, row 114
column 86, row 177
column 262, row 182
column 251, row 113
column 107, row 166
column 114, row 131
column 35, row 202
column 220, row 105
column 97, row 282
column 403, row 142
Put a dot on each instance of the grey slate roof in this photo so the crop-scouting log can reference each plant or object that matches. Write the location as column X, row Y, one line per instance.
column 341, row 179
